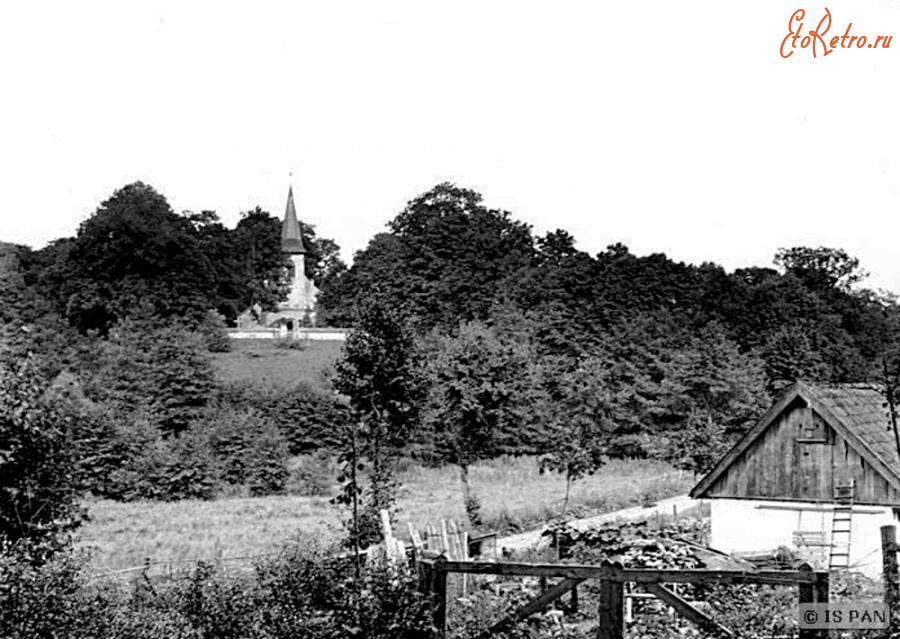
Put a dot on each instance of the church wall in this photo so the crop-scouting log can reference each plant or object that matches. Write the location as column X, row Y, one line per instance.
column 303, row 292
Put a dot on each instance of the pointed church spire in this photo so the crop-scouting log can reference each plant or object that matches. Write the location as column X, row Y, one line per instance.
column 291, row 235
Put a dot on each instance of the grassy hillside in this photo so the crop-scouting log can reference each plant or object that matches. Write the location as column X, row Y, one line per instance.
column 513, row 493
column 262, row 361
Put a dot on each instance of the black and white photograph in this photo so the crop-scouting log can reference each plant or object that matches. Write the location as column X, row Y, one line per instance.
column 419, row 320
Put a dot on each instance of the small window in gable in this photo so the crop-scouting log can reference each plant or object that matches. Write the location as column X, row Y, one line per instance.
column 813, row 428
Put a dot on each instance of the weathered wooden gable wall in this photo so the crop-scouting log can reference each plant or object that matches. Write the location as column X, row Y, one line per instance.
column 780, row 466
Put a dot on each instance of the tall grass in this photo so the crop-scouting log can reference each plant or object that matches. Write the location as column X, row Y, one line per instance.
column 514, row 495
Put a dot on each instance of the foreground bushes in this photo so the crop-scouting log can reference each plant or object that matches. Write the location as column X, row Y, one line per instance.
column 302, row 592
column 37, row 495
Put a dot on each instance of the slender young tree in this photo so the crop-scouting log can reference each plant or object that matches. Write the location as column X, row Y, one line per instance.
column 581, row 424
column 380, row 373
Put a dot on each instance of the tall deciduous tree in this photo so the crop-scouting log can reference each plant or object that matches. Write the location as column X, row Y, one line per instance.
column 443, row 260
column 380, row 265
column 257, row 245
column 380, row 373
column 483, row 400
column 223, row 259
column 711, row 393
column 135, row 251
column 29, row 323
column 821, row 268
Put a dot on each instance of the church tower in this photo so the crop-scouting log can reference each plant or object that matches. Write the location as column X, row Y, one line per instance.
column 300, row 306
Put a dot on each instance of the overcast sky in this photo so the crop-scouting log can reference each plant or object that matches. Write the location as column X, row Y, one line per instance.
column 667, row 125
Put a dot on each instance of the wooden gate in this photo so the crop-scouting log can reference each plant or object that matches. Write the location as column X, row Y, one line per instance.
column 813, row 588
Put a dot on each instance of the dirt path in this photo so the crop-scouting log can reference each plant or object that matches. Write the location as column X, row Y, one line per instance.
column 668, row 506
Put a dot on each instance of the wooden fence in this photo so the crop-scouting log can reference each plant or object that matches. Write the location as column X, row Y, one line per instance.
column 812, row 585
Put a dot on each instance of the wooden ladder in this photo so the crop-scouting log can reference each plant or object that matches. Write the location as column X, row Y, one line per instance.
column 841, row 525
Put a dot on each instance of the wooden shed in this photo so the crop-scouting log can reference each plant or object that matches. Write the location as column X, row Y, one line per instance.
column 818, row 474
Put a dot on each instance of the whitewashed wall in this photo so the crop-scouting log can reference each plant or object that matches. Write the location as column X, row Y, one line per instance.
column 333, row 334
column 740, row 526
column 303, row 292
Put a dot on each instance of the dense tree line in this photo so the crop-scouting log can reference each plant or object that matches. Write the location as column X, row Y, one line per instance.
column 447, row 259
column 530, row 345
column 472, row 338
column 136, row 252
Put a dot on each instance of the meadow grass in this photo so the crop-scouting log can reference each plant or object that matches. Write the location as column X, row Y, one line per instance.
column 261, row 361
column 513, row 493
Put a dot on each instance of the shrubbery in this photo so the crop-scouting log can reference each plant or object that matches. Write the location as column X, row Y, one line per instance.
column 160, row 369
column 304, row 591
column 308, row 419
column 225, row 451
column 248, row 448
column 38, row 490
column 149, row 422
column 50, row 600
column 213, row 333
column 313, row 474
column 182, row 467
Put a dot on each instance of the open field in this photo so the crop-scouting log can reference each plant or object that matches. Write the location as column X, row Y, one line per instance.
column 514, row 495
column 261, row 361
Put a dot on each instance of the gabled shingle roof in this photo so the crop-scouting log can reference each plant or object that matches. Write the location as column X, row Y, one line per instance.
column 857, row 412
column 863, row 409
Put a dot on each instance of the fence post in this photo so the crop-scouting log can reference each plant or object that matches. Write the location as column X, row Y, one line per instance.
column 813, row 592
column 439, row 596
column 433, row 584
column 889, row 569
column 822, row 587
column 424, row 572
column 612, row 613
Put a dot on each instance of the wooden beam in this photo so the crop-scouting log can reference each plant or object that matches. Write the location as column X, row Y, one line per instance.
column 533, row 606
column 823, row 507
column 612, row 610
column 822, row 587
column 686, row 610
column 635, row 575
column 439, row 602
column 889, row 566
column 816, row 592
column 433, row 583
